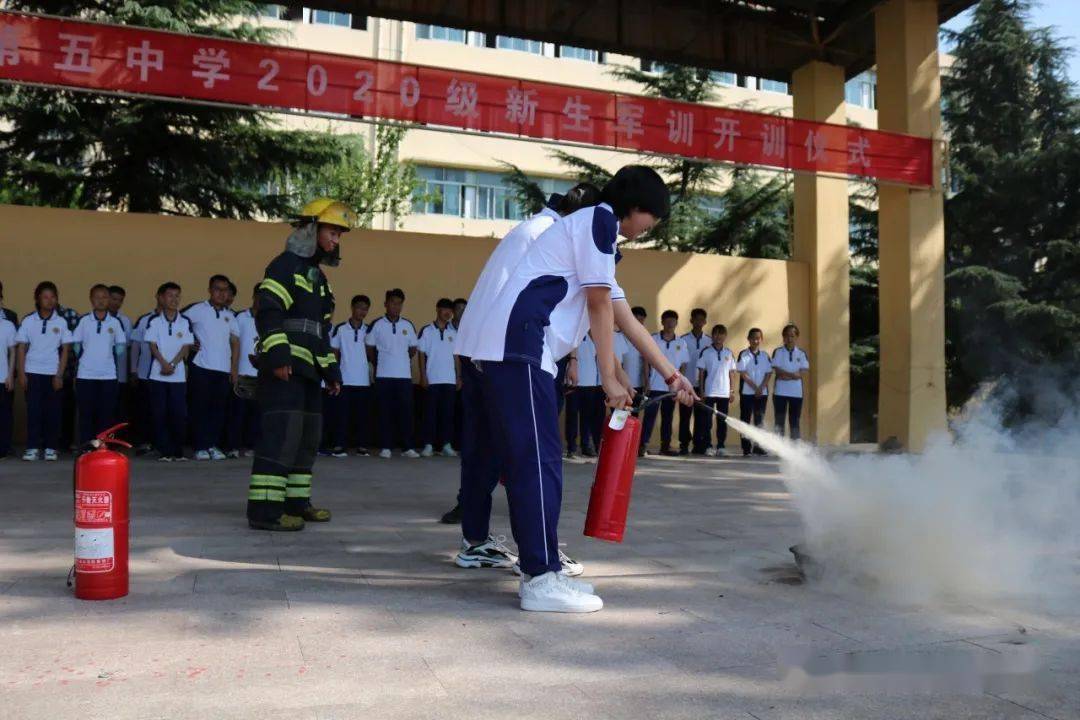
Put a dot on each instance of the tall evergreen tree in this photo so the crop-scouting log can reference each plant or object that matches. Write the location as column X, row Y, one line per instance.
column 73, row 149
column 1013, row 226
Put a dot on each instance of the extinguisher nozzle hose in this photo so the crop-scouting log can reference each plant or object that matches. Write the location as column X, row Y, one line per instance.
column 711, row 409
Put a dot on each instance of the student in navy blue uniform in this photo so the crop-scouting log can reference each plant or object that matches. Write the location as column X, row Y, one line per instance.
column 440, row 377
column 8, row 333
column 214, row 367
column 98, row 341
column 755, row 369
column 353, row 405
column 169, row 336
column 696, row 341
column 790, row 366
column 674, row 350
column 563, row 286
column 44, row 340
column 392, row 345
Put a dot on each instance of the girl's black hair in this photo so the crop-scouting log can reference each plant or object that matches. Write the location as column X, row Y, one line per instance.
column 580, row 196
column 42, row 287
column 637, row 186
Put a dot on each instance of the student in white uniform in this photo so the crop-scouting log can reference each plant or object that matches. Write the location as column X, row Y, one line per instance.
column 353, row 405
column 790, row 365
column 139, row 374
column 440, row 377
column 392, row 342
column 675, row 352
column 124, row 399
column 585, row 403
column 562, row 287
column 630, row 356
column 214, row 368
column 8, row 331
column 98, row 341
column 716, row 377
column 44, row 340
column 169, row 336
column 696, row 340
column 755, row 369
column 243, row 429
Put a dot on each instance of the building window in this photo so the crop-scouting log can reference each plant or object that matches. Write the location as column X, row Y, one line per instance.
column 472, row 194
column 439, row 32
column 861, row 90
column 566, row 51
column 504, row 42
column 724, row 78
column 327, row 17
column 275, row 12
column 772, row 86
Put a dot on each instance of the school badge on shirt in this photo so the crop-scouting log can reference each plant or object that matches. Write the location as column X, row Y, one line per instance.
column 110, row 331
column 404, row 331
column 56, row 330
column 180, row 334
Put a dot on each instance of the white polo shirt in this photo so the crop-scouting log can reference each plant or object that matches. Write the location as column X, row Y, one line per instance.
column 43, row 338
column 98, row 340
column 588, row 370
column 351, row 343
column 630, row 358
column 757, row 366
column 504, row 258
column 392, row 341
column 694, row 346
column 7, row 341
column 676, row 353
column 791, row 361
column 540, row 315
column 121, row 359
column 249, row 336
column 718, row 366
column 438, row 346
column 213, row 328
column 169, row 336
column 138, row 336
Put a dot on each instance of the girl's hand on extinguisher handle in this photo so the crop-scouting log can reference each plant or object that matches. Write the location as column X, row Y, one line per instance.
column 684, row 390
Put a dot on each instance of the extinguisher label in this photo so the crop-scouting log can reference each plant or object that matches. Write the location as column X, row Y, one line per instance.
column 94, row 550
column 93, row 506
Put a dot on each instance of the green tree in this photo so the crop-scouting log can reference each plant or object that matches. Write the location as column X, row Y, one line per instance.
column 1013, row 225
column 72, row 149
column 372, row 182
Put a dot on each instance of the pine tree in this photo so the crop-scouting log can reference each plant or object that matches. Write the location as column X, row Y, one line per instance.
column 1013, row 226
column 72, row 149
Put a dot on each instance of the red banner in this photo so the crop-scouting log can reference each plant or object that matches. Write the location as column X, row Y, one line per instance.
column 66, row 53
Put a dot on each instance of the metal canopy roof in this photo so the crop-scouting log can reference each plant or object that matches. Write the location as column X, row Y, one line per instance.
column 764, row 38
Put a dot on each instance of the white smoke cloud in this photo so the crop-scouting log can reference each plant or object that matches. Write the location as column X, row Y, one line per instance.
column 984, row 514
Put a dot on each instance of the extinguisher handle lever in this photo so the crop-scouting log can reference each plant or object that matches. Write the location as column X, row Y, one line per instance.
column 640, row 407
column 108, row 437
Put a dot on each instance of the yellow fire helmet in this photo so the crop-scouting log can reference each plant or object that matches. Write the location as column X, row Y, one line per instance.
column 329, row 212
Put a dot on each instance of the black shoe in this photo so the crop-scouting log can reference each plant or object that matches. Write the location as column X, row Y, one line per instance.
column 746, row 453
column 588, row 452
column 759, row 451
column 362, row 452
column 668, row 452
column 684, row 452
column 571, row 455
column 641, row 452
column 285, row 523
column 452, row 516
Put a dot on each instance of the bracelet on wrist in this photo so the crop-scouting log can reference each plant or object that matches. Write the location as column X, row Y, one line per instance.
column 673, row 378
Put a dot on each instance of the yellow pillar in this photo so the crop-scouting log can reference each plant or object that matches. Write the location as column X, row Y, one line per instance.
column 821, row 241
column 911, row 403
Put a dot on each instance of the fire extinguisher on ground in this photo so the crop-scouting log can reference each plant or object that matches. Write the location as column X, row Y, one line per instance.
column 609, row 501
column 101, row 519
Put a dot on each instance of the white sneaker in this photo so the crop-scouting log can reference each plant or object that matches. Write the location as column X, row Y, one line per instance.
column 233, row 454
column 165, row 458
column 410, row 453
column 30, row 455
column 448, row 450
column 50, row 455
column 202, row 455
column 550, row 593
column 579, row 585
column 492, row 553
column 710, row 452
column 427, row 451
column 570, row 566
column 216, row 454
column 385, row 453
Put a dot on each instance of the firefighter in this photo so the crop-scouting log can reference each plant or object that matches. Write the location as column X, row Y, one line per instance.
column 295, row 309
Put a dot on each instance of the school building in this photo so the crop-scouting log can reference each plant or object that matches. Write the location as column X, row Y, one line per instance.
column 873, row 64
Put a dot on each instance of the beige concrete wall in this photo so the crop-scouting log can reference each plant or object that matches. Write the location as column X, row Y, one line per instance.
column 76, row 248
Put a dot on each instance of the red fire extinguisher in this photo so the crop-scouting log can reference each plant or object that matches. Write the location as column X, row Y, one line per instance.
column 101, row 520
column 609, row 501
